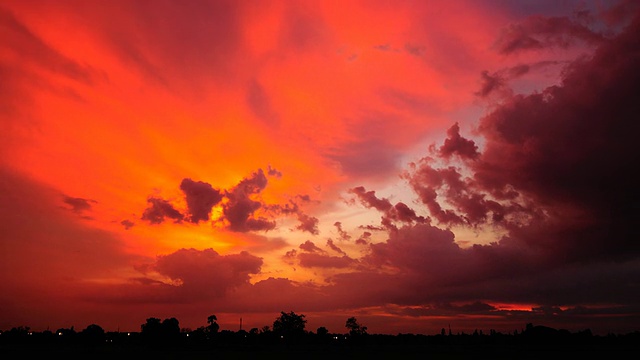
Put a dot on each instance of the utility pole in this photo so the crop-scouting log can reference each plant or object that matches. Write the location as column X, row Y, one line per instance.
column 240, row 324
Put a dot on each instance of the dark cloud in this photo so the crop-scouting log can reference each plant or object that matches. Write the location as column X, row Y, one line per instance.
column 159, row 209
column 538, row 32
column 334, row 247
column 364, row 239
column 324, row 261
column 309, row 246
column 391, row 213
column 240, row 210
column 491, row 83
column 555, row 175
column 455, row 144
column 620, row 13
column 201, row 197
column 205, row 272
column 308, row 223
column 454, row 199
column 313, row 256
column 273, row 172
column 495, row 86
column 568, row 148
column 518, row 70
column 128, row 224
column 78, row 205
column 243, row 209
column 369, row 199
column 343, row 234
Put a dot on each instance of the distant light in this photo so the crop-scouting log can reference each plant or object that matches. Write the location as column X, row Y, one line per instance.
column 60, row 333
column 128, row 334
column 187, row 335
column 281, row 336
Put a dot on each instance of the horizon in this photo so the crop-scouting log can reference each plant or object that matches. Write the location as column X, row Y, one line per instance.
column 416, row 165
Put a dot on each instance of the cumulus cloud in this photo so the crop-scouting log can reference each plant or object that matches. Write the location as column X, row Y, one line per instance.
column 205, row 272
column 240, row 210
column 391, row 213
column 159, row 209
column 308, row 224
column 553, row 174
column 201, row 197
column 309, row 246
column 369, row 199
column 563, row 147
column 187, row 275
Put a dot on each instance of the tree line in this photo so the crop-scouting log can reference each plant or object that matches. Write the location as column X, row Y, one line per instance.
column 289, row 331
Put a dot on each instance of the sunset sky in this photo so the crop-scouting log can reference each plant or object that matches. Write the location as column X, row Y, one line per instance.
column 415, row 164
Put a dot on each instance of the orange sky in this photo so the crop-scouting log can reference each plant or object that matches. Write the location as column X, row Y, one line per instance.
column 337, row 159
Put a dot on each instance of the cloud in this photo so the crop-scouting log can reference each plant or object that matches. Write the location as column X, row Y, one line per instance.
column 62, row 253
column 159, row 209
column 31, row 48
column 128, row 224
column 334, row 247
column 366, row 157
column 565, row 147
column 239, row 210
column 308, row 224
column 364, row 239
column 369, row 199
column 324, row 261
column 491, row 83
column 313, row 256
column 391, row 213
column 309, row 246
column 259, row 103
column 343, row 234
column 203, row 273
column 538, row 32
column 78, row 205
column 273, row 172
column 201, row 197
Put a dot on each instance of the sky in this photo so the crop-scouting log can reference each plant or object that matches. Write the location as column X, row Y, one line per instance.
column 417, row 165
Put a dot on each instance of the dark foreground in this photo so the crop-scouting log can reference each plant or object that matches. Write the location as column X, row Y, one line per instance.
column 311, row 346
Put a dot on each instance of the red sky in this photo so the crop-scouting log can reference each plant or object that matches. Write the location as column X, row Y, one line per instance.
column 415, row 164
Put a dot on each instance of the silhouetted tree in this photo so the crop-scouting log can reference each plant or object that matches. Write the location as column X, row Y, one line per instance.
column 354, row 327
column 213, row 325
column 289, row 324
column 322, row 331
column 93, row 334
column 152, row 328
column 170, row 327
